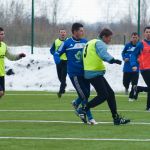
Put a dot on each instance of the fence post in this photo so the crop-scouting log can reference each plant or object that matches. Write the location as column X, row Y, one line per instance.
column 32, row 28
column 139, row 6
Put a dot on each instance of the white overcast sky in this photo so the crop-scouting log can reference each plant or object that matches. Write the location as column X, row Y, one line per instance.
column 90, row 11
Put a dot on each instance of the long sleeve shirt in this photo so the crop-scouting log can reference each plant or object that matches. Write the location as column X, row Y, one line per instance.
column 126, row 53
column 101, row 50
column 73, row 49
column 136, row 53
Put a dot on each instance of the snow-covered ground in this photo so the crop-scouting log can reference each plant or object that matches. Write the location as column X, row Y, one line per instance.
column 38, row 72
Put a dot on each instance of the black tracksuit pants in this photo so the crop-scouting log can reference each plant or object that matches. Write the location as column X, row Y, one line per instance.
column 104, row 92
column 130, row 77
column 146, row 77
column 62, row 73
column 2, row 83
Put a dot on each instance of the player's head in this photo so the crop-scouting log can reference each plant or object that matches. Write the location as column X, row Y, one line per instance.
column 2, row 34
column 62, row 34
column 134, row 37
column 77, row 30
column 106, row 35
column 147, row 33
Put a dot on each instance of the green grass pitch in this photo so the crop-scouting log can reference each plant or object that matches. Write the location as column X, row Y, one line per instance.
column 41, row 121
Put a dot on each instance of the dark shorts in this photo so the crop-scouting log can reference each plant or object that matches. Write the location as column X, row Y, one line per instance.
column 2, row 83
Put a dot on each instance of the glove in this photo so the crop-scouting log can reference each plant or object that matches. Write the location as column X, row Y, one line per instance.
column 21, row 55
column 56, row 58
column 116, row 61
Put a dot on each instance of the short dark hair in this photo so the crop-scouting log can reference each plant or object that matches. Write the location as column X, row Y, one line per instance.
column 1, row 29
column 76, row 26
column 62, row 29
column 134, row 33
column 147, row 27
column 105, row 32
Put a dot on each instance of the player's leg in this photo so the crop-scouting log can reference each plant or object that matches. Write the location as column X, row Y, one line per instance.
column 86, row 85
column 76, row 84
column 2, row 86
column 134, row 82
column 146, row 77
column 104, row 92
column 138, row 89
column 58, row 69
column 75, row 103
column 126, row 81
column 1, row 93
column 63, row 74
column 111, row 100
column 148, row 101
column 82, row 87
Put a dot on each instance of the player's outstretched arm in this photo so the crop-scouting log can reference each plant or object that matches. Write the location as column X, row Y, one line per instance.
column 101, row 50
column 14, row 57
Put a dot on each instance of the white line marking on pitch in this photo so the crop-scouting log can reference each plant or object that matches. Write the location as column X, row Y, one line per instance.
column 69, row 94
column 75, row 139
column 66, row 122
column 3, row 110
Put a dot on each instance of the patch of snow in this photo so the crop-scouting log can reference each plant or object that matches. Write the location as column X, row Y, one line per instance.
column 38, row 71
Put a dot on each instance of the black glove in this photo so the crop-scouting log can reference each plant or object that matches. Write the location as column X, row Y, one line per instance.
column 22, row 55
column 116, row 61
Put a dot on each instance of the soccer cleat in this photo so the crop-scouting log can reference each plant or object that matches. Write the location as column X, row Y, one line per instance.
column 81, row 113
column 74, row 105
column 131, row 99
column 59, row 95
column 135, row 92
column 92, row 122
column 148, row 109
column 120, row 120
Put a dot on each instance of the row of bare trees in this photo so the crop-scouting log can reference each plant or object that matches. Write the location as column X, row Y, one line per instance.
column 17, row 22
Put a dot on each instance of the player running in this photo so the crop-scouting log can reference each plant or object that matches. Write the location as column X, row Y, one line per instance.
column 73, row 48
column 142, row 55
column 130, row 76
column 4, row 52
column 94, row 54
column 62, row 66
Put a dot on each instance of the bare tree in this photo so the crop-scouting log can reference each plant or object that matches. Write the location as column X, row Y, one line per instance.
column 2, row 20
column 55, row 6
column 144, row 9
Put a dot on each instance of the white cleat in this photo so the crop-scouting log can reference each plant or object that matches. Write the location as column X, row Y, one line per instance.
column 148, row 109
column 131, row 100
column 92, row 122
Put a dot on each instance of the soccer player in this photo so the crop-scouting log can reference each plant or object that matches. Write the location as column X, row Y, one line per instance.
column 4, row 51
column 142, row 55
column 73, row 48
column 130, row 76
column 94, row 54
column 62, row 66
